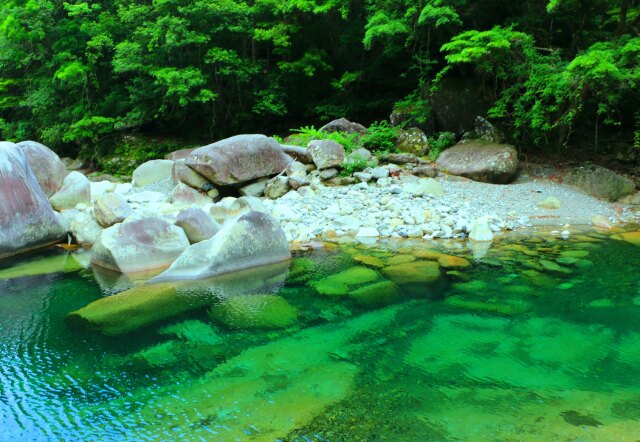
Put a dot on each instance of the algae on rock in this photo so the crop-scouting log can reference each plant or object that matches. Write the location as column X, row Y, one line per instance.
column 254, row 312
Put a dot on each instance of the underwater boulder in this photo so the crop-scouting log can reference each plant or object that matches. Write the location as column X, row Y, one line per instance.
column 413, row 272
column 250, row 240
column 140, row 245
column 146, row 304
column 376, row 295
column 27, row 220
column 254, row 312
column 343, row 282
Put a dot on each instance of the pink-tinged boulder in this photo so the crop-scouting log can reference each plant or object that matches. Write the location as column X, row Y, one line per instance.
column 76, row 188
column 141, row 245
column 197, row 224
column 179, row 155
column 251, row 240
column 111, row 208
column 239, row 159
column 183, row 195
column 46, row 165
column 181, row 173
column 27, row 220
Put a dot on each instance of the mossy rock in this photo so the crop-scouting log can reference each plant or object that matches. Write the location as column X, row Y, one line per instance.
column 413, row 272
column 255, row 312
column 372, row 261
column 400, row 259
column 553, row 266
column 60, row 263
column 301, row 270
column 162, row 355
column 342, row 283
column 193, row 331
column 376, row 295
column 135, row 308
column 453, row 262
column 476, row 287
column 574, row 254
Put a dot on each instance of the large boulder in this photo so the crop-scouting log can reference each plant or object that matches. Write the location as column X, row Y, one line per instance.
column 139, row 245
column 457, row 102
column 46, row 165
column 152, row 172
column 179, row 155
column 239, row 159
column 111, row 208
column 343, row 125
column 253, row 239
column 326, row 153
column 480, row 161
column 76, row 189
column 26, row 218
column 83, row 226
column 600, row 182
column 183, row 195
column 197, row 224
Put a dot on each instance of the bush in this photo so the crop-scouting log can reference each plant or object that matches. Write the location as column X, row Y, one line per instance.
column 440, row 143
column 380, row 137
column 303, row 135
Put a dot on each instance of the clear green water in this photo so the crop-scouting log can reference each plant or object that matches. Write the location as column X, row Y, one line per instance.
column 534, row 343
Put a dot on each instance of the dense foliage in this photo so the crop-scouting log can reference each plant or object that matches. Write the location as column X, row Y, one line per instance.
column 76, row 72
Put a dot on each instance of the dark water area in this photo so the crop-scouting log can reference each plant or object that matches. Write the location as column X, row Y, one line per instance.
column 535, row 339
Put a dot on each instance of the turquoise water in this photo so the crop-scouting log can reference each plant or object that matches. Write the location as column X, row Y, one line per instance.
column 537, row 339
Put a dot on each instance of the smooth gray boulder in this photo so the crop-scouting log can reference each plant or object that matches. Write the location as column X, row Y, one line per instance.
column 326, row 153
column 600, row 182
column 76, row 189
column 480, row 161
column 152, row 172
column 27, row 220
column 197, row 224
column 343, row 125
column 239, row 159
column 140, row 245
column 84, row 227
column 298, row 153
column 47, row 166
column 110, row 209
column 251, row 240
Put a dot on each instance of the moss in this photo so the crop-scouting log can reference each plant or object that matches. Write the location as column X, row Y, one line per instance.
column 413, row 272
column 61, row 263
column 255, row 312
column 376, row 295
column 341, row 283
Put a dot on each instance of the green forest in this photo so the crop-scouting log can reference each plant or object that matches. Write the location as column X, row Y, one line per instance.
column 76, row 73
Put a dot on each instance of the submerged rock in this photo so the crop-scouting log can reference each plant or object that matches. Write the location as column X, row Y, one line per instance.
column 239, row 159
column 59, row 263
column 254, row 312
column 413, row 272
column 141, row 245
column 46, row 165
column 250, row 240
column 27, row 220
column 141, row 306
column 280, row 386
column 343, row 282
column 76, row 189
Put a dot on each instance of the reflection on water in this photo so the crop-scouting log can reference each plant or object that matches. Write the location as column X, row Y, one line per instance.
column 537, row 339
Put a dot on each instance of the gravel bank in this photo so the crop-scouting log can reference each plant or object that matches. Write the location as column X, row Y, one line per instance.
column 387, row 209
